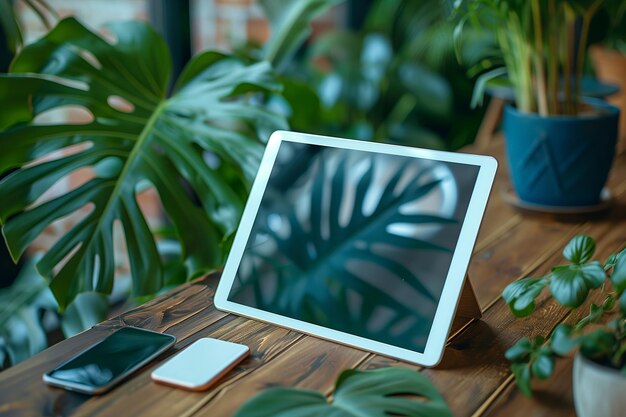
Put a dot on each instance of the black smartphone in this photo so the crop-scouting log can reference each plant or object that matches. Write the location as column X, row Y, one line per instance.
column 103, row 365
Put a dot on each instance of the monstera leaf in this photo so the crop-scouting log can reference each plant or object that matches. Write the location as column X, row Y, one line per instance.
column 378, row 393
column 135, row 138
column 324, row 256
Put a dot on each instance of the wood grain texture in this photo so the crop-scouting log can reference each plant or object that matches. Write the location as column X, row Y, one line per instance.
column 475, row 366
column 474, row 377
column 310, row 363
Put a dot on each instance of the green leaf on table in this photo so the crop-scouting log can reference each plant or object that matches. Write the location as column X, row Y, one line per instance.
column 520, row 295
column 595, row 313
column 377, row 393
column 134, row 136
column 612, row 260
column 562, row 341
column 543, row 366
column 520, row 350
column 618, row 277
column 580, row 249
column 570, row 284
column 521, row 372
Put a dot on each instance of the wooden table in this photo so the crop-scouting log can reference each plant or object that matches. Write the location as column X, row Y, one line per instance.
column 474, row 376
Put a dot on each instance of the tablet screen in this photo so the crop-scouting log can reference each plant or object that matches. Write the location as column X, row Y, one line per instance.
column 355, row 241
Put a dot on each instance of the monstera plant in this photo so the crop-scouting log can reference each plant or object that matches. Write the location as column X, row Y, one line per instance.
column 374, row 393
column 136, row 136
column 198, row 147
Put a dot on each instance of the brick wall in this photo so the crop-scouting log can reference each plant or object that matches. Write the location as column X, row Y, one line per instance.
column 215, row 23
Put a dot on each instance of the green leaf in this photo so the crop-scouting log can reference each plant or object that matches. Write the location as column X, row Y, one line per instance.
column 595, row 313
column 150, row 139
column 290, row 23
column 11, row 28
column 304, row 104
column 562, row 341
column 622, row 302
column 570, row 284
column 377, row 393
column 520, row 350
column 521, row 372
column 580, row 249
column 598, row 344
column 618, row 277
column 482, row 82
column 520, row 295
column 431, row 91
column 543, row 366
column 21, row 307
column 87, row 310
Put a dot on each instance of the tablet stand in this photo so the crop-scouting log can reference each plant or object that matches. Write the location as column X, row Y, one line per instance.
column 467, row 310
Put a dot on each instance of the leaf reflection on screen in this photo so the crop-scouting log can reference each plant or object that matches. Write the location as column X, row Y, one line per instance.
column 313, row 251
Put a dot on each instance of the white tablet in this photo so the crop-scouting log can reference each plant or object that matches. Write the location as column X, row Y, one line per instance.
column 361, row 243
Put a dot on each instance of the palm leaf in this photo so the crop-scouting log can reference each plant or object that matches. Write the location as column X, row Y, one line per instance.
column 149, row 139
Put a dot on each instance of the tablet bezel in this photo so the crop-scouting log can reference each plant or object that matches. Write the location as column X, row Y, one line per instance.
column 453, row 285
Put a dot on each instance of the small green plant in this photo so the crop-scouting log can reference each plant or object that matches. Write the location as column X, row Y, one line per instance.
column 380, row 392
column 599, row 335
column 541, row 49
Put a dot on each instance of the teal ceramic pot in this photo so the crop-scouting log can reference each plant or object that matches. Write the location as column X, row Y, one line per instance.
column 561, row 160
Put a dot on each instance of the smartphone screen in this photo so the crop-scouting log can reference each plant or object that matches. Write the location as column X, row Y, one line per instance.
column 103, row 365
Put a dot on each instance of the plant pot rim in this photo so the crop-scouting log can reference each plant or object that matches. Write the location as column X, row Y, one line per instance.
column 609, row 110
column 597, row 366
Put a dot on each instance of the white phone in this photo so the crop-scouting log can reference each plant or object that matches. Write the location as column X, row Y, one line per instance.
column 201, row 364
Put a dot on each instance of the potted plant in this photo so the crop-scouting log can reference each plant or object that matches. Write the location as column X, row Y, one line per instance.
column 599, row 337
column 609, row 52
column 560, row 147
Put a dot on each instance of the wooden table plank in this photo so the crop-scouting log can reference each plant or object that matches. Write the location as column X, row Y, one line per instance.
column 265, row 342
column 549, row 399
column 478, row 367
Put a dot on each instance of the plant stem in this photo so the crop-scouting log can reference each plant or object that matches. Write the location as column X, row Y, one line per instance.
column 553, row 60
column 539, row 60
column 569, row 27
column 582, row 46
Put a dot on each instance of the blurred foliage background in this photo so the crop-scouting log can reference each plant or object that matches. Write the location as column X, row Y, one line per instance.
column 381, row 70
column 395, row 78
